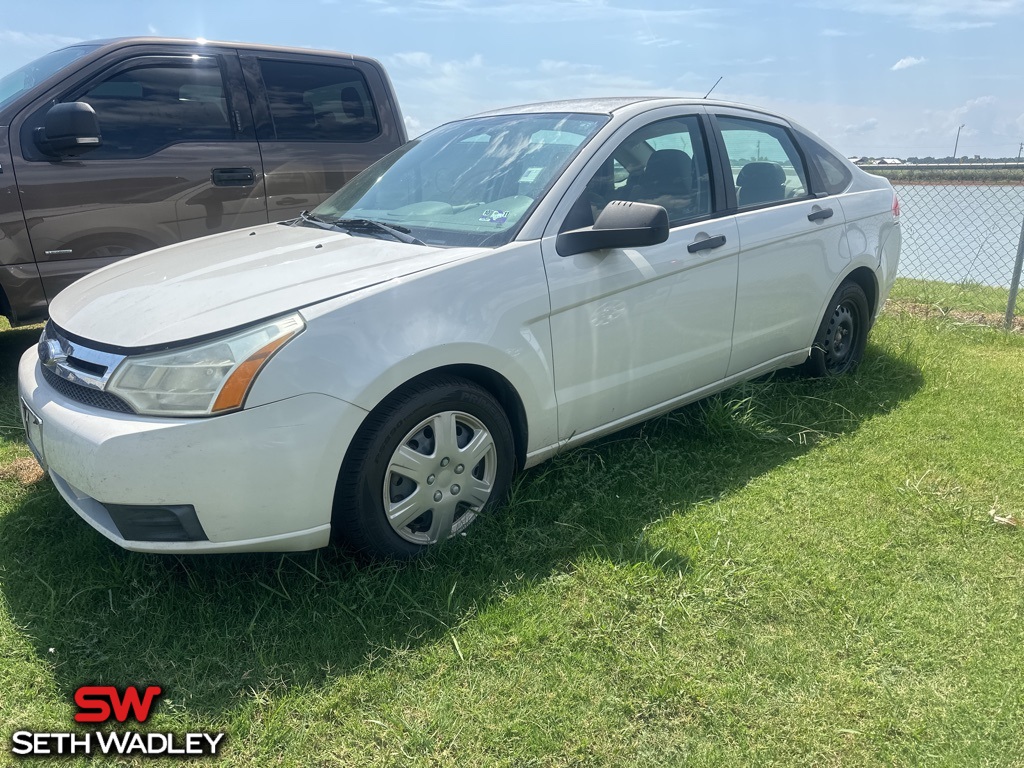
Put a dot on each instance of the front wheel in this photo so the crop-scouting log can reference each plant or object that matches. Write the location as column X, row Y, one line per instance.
column 427, row 462
column 842, row 335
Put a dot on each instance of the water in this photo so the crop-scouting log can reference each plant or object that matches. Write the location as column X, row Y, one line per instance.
column 960, row 233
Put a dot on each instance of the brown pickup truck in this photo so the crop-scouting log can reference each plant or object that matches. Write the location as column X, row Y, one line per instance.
column 114, row 147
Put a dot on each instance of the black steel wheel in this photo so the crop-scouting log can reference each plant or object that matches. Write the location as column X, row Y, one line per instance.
column 842, row 335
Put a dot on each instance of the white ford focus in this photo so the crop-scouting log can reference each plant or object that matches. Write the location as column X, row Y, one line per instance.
column 501, row 288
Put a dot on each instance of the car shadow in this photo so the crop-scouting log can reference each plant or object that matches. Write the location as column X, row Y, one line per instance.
column 13, row 343
column 208, row 629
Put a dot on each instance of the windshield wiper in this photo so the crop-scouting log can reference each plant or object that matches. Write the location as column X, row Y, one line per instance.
column 308, row 218
column 363, row 225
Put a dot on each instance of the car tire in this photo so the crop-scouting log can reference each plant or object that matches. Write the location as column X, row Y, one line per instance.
column 839, row 344
column 427, row 461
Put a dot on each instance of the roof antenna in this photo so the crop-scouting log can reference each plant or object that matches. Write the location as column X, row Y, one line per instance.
column 713, row 86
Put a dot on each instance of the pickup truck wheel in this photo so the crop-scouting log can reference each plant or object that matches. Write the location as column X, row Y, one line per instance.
column 427, row 462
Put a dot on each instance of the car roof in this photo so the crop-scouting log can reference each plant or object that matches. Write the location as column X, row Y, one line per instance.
column 611, row 105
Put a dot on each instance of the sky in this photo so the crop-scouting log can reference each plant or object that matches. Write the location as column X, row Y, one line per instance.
column 892, row 78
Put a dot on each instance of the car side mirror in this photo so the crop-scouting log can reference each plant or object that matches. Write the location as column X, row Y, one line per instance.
column 69, row 129
column 621, row 224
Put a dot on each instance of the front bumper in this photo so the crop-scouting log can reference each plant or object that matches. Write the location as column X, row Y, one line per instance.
column 260, row 479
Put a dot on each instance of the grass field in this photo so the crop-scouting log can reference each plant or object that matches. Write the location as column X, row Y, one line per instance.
column 956, row 297
column 963, row 175
column 792, row 573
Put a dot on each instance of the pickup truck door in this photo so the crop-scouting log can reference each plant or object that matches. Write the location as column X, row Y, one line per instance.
column 178, row 159
column 19, row 276
column 320, row 121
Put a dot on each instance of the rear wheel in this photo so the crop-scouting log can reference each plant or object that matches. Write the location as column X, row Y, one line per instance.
column 427, row 462
column 842, row 335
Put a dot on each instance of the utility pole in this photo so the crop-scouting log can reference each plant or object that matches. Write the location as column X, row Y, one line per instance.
column 1020, row 150
column 957, row 143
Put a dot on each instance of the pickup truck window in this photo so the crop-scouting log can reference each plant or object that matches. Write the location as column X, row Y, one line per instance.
column 24, row 78
column 318, row 102
column 153, row 105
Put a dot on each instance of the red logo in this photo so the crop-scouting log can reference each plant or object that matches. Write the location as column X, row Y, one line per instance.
column 98, row 703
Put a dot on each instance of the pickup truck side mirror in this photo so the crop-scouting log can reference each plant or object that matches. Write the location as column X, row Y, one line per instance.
column 68, row 130
column 621, row 224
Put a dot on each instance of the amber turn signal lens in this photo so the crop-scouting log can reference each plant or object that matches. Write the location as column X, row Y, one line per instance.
column 233, row 393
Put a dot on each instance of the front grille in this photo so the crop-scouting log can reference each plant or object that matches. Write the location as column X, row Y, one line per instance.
column 85, row 395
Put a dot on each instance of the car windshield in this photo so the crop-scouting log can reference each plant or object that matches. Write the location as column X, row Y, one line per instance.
column 469, row 183
column 20, row 80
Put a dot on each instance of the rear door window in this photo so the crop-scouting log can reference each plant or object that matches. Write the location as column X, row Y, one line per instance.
column 318, row 102
column 764, row 162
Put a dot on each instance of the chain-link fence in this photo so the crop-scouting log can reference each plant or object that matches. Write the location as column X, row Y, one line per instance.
column 968, row 233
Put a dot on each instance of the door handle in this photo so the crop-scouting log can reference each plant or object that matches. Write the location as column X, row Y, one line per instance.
column 820, row 215
column 706, row 244
column 291, row 201
column 233, row 177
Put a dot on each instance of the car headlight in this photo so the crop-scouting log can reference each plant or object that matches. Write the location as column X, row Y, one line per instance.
column 206, row 379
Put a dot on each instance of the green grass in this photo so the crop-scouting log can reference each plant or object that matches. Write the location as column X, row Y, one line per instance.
column 792, row 573
column 963, row 175
column 964, row 297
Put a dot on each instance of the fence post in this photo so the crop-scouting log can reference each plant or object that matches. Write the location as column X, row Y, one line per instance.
column 1011, row 305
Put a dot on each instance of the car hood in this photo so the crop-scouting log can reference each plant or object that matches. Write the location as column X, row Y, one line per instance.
column 220, row 282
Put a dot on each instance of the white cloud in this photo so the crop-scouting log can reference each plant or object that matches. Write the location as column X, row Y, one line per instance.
column 553, row 11
column 437, row 90
column 648, row 38
column 42, row 40
column 907, row 62
column 859, row 129
column 449, row 69
column 152, row 29
column 934, row 14
column 413, row 126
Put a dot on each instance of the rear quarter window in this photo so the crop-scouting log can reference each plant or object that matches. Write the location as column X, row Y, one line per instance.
column 834, row 174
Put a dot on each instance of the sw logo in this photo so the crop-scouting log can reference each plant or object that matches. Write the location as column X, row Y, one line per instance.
column 97, row 703
column 100, row 704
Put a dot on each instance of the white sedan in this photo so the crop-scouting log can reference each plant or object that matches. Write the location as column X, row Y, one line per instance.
column 495, row 291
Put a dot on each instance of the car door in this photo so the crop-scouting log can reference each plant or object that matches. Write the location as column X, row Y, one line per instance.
column 320, row 121
column 178, row 159
column 635, row 328
column 790, row 240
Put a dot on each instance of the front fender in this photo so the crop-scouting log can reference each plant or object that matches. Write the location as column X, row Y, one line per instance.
column 490, row 311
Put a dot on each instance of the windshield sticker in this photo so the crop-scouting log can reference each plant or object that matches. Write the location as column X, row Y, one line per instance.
column 530, row 176
column 494, row 217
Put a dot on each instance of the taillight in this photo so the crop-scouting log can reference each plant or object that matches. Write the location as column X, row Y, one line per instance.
column 895, row 206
